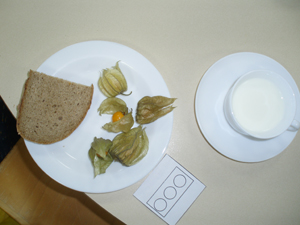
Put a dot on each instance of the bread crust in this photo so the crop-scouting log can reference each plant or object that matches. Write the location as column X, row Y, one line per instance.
column 36, row 125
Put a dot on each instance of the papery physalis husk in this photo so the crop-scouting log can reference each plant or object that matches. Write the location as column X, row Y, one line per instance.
column 150, row 109
column 124, row 124
column 112, row 82
column 112, row 105
column 99, row 155
column 129, row 148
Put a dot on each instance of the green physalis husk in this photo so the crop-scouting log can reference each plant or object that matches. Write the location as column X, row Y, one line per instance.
column 112, row 81
column 150, row 109
column 124, row 124
column 112, row 105
column 129, row 148
column 99, row 155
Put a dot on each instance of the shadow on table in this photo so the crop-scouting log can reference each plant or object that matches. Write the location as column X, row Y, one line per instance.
column 30, row 195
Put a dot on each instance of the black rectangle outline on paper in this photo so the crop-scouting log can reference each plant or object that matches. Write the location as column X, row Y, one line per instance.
column 162, row 185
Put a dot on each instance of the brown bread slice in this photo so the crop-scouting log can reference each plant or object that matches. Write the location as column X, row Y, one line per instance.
column 51, row 108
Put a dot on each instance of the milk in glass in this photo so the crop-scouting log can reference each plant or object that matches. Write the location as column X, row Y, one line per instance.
column 258, row 105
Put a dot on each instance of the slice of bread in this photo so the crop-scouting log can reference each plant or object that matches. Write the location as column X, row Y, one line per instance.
column 51, row 108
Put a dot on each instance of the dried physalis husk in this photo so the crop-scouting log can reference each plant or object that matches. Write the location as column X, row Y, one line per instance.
column 150, row 109
column 129, row 148
column 99, row 155
column 112, row 105
column 124, row 124
column 112, row 81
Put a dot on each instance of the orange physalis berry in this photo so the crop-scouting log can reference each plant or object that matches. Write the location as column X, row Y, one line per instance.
column 117, row 116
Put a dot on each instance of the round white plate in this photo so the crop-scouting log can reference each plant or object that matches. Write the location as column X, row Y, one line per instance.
column 67, row 161
column 209, row 108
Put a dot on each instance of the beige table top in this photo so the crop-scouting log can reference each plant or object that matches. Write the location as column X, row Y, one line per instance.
column 182, row 39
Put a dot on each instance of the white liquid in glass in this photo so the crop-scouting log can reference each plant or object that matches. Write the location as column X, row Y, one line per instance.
column 258, row 105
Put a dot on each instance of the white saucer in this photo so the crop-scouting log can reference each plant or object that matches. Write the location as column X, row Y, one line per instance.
column 209, row 108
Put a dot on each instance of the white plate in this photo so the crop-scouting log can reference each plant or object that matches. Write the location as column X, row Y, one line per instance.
column 67, row 161
column 209, row 108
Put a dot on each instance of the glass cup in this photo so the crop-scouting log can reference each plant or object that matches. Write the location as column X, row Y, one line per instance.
column 261, row 104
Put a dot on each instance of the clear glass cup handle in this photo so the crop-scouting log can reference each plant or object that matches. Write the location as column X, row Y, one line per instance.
column 294, row 126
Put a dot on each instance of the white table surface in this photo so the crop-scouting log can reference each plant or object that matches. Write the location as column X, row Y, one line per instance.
column 182, row 39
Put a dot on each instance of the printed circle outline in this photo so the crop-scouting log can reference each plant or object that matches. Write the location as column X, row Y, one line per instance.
column 157, row 204
column 169, row 195
column 181, row 182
